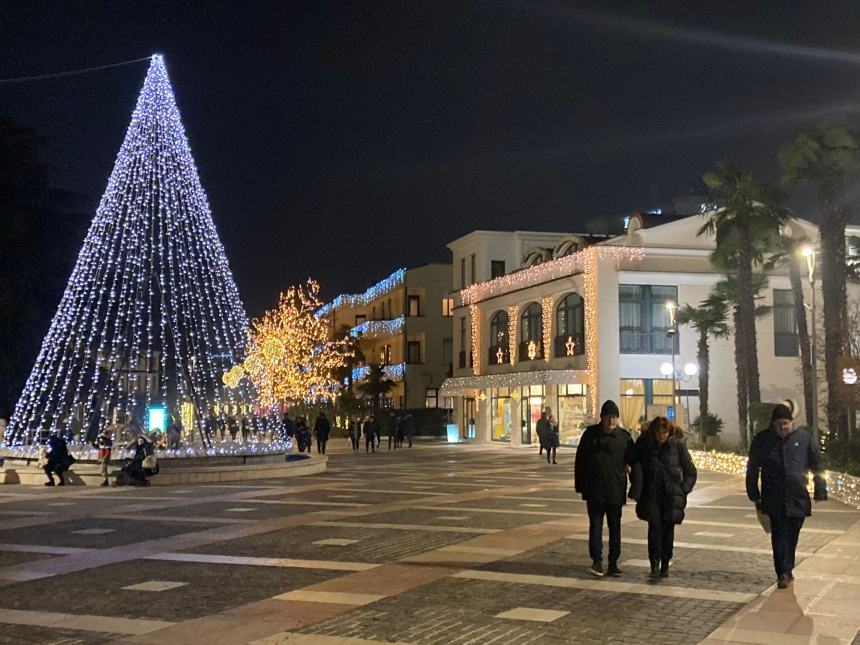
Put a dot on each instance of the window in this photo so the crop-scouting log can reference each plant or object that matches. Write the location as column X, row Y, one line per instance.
column 360, row 319
column 474, row 277
column 373, row 313
column 784, row 323
column 462, row 355
column 386, row 355
column 447, row 353
column 502, row 409
column 413, row 351
column 462, row 273
column 639, row 398
column 497, row 268
column 531, row 333
column 447, row 307
column 570, row 326
column 431, row 398
column 571, row 417
column 414, row 305
column 499, row 351
column 644, row 319
column 383, row 310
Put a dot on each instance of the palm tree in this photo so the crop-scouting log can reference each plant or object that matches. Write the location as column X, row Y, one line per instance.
column 785, row 250
column 375, row 385
column 728, row 290
column 748, row 210
column 828, row 157
column 708, row 319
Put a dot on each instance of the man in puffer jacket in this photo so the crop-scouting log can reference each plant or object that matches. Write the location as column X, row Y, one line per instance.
column 784, row 457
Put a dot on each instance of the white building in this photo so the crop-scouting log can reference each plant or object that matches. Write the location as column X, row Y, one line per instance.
column 589, row 323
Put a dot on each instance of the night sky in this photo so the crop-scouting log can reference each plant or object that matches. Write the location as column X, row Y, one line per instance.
column 344, row 140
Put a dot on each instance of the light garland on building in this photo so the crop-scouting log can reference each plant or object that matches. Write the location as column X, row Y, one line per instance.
column 475, row 332
column 840, row 486
column 546, row 315
column 378, row 328
column 394, row 372
column 290, row 356
column 513, row 331
column 458, row 385
column 592, row 349
column 361, row 299
column 546, row 271
column 151, row 313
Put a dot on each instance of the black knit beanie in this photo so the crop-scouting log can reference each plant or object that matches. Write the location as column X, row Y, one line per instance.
column 781, row 412
column 609, row 409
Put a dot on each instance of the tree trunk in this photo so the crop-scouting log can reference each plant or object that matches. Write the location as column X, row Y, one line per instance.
column 835, row 308
column 746, row 302
column 704, row 376
column 743, row 391
column 794, row 277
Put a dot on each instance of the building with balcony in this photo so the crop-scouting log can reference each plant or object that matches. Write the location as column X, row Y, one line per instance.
column 585, row 319
column 403, row 323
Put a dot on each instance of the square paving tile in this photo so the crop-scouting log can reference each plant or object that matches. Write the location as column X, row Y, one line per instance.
column 536, row 615
column 333, row 597
column 155, row 585
column 335, row 542
column 94, row 531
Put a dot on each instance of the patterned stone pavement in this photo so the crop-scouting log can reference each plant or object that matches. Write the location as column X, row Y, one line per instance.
column 432, row 545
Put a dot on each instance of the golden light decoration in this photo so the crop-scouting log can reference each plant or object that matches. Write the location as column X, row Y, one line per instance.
column 290, row 355
column 515, row 395
column 513, row 330
column 533, row 350
column 546, row 315
column 500, row 356
column 482, row 395
column 475, row 320
column 591, row 327
column 570, row 346
column 232, row 376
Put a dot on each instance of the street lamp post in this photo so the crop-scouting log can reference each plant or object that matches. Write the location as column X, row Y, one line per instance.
column 671, row 306
column 690, row 370
column 809, row 253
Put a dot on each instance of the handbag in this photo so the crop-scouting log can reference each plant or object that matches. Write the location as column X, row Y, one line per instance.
column 150, row 462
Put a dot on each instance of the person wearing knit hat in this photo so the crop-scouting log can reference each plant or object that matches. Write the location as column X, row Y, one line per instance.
column 602, row 466
column 782, row 457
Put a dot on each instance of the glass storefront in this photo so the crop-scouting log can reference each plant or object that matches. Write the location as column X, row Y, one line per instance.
column 643, row 399
column 571, row 413
column 500, row 404
column 531, row 406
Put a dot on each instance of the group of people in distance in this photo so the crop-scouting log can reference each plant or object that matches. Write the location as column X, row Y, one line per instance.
column 662, row 474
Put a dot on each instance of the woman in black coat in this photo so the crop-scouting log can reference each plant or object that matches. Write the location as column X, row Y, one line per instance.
column 663, row 476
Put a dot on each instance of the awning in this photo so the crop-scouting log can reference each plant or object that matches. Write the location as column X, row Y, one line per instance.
column 465, row 384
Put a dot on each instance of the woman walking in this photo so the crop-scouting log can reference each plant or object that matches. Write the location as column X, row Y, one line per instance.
column 663, row 476
column 552, row 439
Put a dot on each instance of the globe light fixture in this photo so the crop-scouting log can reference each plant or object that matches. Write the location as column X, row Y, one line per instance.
column 691, row 369
column 666, row 369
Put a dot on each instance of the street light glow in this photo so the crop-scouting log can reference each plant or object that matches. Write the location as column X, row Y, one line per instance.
column 666, row 369
column 691, row 369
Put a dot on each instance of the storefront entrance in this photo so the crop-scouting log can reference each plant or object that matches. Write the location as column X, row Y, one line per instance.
column 532, row 404
column 468, row 427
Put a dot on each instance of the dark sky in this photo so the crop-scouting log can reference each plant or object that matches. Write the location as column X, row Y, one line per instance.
column 341, row 140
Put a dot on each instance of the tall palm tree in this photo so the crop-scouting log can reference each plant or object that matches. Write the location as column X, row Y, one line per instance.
column 747, row 211
column 708, row 319
column 729, row 290
column 828, row 157
column 785, row 251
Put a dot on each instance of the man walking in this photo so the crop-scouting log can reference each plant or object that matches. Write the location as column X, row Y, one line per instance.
column 371, row 429
column 603, row 461
column 784, row 457
column 322, row 428
column 542, row 429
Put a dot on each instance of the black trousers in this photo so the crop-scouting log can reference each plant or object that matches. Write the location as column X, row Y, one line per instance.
column 370, row 443
column 596, row 512
column 354, row 441
column 784, row 534
column 550, row 449
column 661, row 540
column 55, row 468
column 321, row 445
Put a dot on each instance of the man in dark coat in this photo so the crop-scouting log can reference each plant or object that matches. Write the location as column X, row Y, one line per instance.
column 542, row 430
column 322, row 428
column 604, row 457
column 371, row 430
column 288, row 430
column 59, row 459
column 784, row 457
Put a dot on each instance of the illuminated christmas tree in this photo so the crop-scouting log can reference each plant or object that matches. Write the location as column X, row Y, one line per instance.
column 151, row 315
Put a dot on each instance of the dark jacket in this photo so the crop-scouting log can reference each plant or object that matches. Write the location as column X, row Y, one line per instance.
column 784, row 465
column 552, row 438
column 58, row 452
column 663, row 476
column 287, row 427
column 542, row 429
column 371, row 428
column 600, row 468
column 322, row 428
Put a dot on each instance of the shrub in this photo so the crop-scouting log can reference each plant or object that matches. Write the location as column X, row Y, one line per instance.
column 713, row 425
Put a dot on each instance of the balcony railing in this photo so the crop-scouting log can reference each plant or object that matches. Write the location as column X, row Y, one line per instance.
column 524, row 350
column 563, row 345
column 634, row 341
column 493, row 355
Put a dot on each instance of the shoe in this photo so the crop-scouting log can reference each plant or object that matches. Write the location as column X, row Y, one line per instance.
column 105, row 483
column 655, row 569
column 782, row 581
column 664, row 569
column 596, row 568
column 613, row 570
column 50, row 483
column 554, row 461
column 62, row 483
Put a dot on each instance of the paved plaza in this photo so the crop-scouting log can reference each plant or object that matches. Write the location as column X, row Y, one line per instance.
column 432, row 545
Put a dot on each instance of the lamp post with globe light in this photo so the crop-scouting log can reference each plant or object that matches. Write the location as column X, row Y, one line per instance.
column 808, row 252
column 672, row 308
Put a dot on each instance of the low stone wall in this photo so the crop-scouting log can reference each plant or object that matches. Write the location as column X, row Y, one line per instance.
column 174, row 471
column 840, row 486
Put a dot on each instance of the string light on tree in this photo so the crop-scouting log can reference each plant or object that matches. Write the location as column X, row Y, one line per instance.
column 151, row 313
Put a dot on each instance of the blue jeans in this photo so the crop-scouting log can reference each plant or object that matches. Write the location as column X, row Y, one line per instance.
column 596, row 512
column 784, row 534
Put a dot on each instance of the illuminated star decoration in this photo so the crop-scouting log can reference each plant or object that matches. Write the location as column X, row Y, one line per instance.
column 570, row 345
column 500, row 356
column 151, row 313
column 849, row 376
column 532, row 350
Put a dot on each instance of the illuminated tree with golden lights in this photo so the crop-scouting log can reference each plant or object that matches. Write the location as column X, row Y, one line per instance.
column 290, row 356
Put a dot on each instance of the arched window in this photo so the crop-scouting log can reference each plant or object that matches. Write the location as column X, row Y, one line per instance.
column 499, row 351
column 570, row 326
column 531, row 331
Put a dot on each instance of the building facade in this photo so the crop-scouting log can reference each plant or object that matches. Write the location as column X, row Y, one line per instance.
column 403, row 323
column 589, row 322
